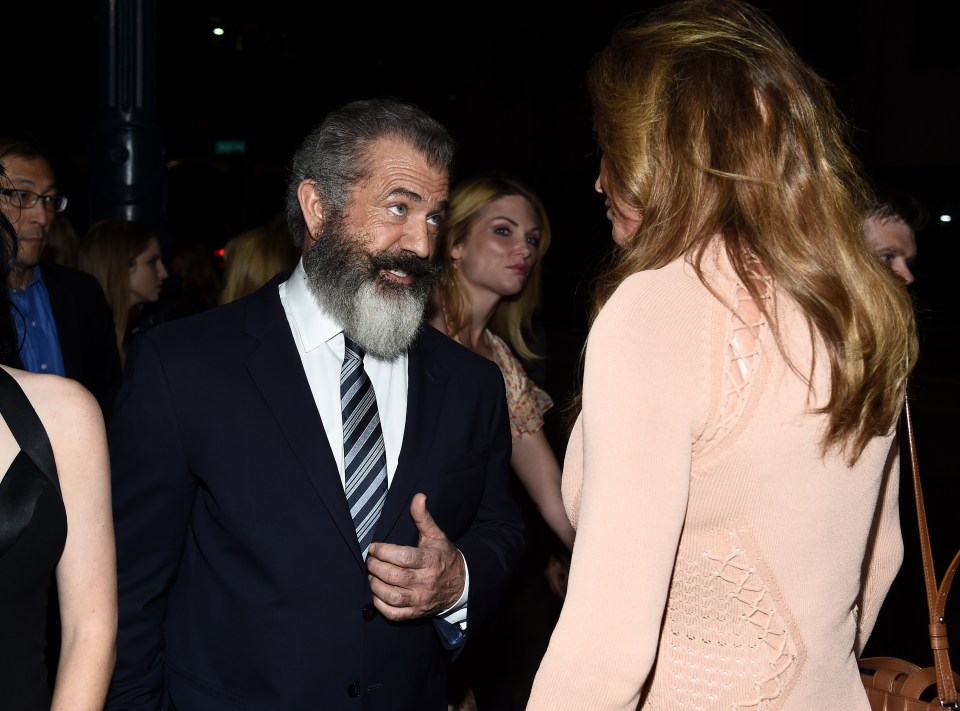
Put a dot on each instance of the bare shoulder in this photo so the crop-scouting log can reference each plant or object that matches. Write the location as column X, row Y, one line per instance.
column 63, row 405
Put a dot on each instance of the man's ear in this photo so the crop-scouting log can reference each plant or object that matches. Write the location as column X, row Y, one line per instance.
column 312, row 208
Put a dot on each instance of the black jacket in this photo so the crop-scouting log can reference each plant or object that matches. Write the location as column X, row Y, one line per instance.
column 85, row 328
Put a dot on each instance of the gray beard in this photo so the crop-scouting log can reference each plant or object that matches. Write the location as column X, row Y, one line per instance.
column 383, row 317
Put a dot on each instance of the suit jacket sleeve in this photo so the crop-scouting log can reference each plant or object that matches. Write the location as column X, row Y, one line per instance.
column 493, row 545
column 153, row 493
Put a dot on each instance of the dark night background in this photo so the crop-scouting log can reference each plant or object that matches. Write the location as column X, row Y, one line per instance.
column 507, row 79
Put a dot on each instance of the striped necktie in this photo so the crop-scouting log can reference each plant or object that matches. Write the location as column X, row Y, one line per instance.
column 364, row 456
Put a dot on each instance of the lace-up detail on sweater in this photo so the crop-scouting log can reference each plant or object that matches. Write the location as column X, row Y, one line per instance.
column 745, row 649
column 745, row 336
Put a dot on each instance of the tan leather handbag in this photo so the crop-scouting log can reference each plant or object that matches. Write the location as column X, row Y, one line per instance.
column 894, row 684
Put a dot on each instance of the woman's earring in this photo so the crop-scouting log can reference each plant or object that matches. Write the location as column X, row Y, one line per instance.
column 456, row 263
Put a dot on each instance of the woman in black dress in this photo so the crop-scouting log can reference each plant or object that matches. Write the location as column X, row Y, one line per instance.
column 55, row 523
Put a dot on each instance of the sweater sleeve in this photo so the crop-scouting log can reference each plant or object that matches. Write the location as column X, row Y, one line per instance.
column 884, row 550
column 644, row 395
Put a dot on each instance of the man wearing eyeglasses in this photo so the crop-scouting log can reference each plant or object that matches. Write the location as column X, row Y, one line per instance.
column 63, row 321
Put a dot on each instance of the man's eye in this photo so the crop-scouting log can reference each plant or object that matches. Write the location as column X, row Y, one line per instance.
column 398, row 210
column 435, row 220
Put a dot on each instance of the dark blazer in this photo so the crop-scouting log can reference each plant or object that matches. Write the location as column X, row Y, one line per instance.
column 84, row 322
column 241, row 583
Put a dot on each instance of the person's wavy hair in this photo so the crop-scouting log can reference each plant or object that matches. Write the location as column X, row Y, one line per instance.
column 253, row 258
column 709, row 124
column 512, row 319
column 107, row 251
column 334, row 153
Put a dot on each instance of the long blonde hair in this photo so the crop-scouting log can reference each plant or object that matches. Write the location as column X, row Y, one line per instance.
column 107, row 251
column 710, row 124
column 253, row 258
column 512, row 319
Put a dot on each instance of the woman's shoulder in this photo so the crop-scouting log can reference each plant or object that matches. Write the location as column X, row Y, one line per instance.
column 667, row 292
column 64, row 406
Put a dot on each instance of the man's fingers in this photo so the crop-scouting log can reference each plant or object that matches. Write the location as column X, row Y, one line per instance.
column 395, row 572
column 394, row 555
column 396, row 614
column 398, row 602
column 392, row 595
column 426, row 526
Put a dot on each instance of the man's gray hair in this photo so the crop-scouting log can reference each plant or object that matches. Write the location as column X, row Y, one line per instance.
column 333, row 154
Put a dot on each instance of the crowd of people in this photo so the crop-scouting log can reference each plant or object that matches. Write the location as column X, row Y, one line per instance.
column 307, row 488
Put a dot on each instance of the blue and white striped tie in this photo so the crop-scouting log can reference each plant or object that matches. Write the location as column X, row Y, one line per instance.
column 364, row 456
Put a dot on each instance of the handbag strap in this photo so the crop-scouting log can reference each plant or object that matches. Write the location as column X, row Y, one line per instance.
column 936, row 596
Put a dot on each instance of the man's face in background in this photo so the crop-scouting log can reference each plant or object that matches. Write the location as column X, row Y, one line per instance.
column 894, row 242
column 31, row 223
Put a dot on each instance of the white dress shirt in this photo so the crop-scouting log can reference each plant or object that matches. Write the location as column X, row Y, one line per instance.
column 319, row 341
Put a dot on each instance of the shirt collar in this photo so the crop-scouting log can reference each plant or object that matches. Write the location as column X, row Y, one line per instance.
column 35, row 278
column 316, row 326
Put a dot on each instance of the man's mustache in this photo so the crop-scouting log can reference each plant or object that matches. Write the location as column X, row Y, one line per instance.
column 413, row 265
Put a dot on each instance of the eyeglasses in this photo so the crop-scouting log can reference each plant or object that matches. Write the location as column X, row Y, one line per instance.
column 24, row 200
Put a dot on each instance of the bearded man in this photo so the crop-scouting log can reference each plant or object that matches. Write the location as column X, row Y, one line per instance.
column 311, row 491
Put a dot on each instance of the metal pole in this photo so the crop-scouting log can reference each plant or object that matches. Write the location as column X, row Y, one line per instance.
column 128, row 176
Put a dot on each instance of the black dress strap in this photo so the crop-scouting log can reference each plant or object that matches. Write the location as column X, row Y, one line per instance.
column 26, row 427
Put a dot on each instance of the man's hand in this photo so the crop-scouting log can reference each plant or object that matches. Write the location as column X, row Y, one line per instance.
column 412, row 582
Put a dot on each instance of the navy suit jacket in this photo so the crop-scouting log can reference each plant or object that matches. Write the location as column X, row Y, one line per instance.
column 241, row 583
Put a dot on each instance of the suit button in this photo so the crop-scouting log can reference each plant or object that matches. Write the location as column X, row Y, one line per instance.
column 354, row 690
column 369, row 612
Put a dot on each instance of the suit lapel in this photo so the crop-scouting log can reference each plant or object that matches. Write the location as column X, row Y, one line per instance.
column 427, row 385
column 276, row 369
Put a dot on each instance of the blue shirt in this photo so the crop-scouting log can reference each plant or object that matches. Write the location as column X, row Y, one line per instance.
column 36, row 330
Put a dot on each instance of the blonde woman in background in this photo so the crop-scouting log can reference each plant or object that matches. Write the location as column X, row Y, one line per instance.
column 254, row 258
column 124, row 256
column 492, row 240
column 732, row 474
column 491, row 246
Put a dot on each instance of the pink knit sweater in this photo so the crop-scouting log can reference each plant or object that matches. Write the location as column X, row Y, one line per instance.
column 721, row 563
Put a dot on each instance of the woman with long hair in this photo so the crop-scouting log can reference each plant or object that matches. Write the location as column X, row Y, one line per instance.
column 55, row 522
column 491, row 246
column 253, row 258
column 732, row 473
column 125, row 257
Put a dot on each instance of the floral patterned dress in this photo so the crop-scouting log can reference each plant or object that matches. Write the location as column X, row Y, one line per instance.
column 526, row 402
